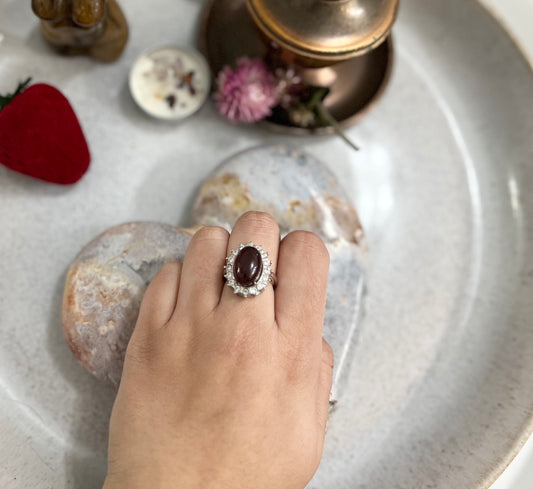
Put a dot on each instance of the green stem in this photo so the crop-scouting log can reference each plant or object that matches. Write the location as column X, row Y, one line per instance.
column 326, row 117
column 5, row 99
column 318, row 96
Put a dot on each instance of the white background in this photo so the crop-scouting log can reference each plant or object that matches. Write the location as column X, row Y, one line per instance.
column 517, row 17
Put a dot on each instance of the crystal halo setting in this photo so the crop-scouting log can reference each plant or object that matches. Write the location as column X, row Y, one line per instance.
column 257, row 261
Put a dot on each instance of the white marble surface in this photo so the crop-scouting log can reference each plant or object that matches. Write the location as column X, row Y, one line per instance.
column 517, row 17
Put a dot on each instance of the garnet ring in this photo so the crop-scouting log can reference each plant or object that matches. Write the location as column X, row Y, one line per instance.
column 248, row 270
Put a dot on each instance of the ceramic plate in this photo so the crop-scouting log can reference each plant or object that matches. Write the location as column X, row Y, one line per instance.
column 440, row 392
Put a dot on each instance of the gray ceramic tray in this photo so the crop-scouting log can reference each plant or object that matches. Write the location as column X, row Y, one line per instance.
column 440, row 388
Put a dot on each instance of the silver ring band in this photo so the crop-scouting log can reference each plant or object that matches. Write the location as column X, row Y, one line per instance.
column 273, row 279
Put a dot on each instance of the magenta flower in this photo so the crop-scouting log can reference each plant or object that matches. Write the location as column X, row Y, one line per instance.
column 246, row 93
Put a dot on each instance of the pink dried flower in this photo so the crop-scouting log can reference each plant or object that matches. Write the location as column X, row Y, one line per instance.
column 246, row 93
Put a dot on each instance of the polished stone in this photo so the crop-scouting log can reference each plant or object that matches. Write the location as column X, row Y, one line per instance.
column 248, row 266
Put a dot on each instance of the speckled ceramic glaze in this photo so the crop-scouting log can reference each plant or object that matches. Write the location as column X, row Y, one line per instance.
column 439, row 390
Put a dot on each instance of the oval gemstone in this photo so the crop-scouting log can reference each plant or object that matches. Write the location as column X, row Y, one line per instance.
column 248, row 266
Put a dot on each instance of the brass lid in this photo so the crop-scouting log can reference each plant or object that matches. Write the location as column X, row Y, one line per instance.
column 329, row 30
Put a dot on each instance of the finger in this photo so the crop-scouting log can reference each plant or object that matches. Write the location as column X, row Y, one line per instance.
column 202, row 274
column 49, row 9
column 325, row 382
column 301, row 291
column 262, row 230
column 87, row 13
column 159, row 300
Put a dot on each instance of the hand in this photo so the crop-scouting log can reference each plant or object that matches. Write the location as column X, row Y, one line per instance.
column 220, row 391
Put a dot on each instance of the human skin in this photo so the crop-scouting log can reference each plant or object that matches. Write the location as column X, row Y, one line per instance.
column 220, row 391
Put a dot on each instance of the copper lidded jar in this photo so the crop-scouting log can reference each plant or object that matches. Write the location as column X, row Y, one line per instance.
column 324, row 32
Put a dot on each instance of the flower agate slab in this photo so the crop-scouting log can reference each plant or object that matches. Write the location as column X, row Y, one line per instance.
column 104, row 288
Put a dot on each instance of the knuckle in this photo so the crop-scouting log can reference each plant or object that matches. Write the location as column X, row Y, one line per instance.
column 307, row 243
column 297, row 358
column 243, row 342
column 298, row 370
column 239, row 345
column 260, row 221
column 170, row 268
column 157, row 293
column 211, row 233
column 141, row 350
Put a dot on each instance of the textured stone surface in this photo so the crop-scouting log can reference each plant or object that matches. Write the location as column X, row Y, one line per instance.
column 295, row 188
column 104, row 288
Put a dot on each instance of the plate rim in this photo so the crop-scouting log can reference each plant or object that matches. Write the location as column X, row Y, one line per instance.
column 520, row 438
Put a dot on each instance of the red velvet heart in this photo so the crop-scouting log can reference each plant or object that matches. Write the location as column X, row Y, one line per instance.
column 40, row 136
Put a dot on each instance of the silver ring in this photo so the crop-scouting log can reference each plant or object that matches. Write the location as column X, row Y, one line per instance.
column 248, row 270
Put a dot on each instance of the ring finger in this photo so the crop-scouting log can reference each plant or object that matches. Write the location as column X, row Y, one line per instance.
column 247, row 267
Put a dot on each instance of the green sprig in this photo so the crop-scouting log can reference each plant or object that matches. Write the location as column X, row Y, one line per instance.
column 5, row 99
column 326, row 117
column 316, row 104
